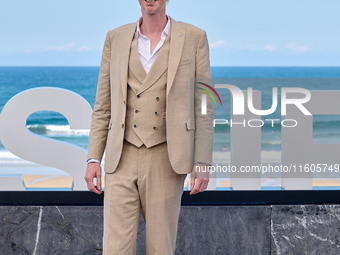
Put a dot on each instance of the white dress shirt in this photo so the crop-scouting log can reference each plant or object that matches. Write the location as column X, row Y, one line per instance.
column 144, row 45
column 146, row 57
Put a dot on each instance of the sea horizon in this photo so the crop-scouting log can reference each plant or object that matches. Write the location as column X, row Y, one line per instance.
column 83, row 80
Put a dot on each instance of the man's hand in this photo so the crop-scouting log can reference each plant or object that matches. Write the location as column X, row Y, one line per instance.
column 199, row 173
column 93, row 170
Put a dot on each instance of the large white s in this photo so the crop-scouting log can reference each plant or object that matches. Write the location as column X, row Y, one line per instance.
column 17, row 139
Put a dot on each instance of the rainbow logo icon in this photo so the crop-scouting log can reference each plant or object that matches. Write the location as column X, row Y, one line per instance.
column 209, row 93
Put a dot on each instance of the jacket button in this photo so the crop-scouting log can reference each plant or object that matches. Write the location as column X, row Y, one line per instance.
column 156, row 113
column 136, row 111
column 135, row 125
column 138, row 96
column 122, row 125
column 154, row 127
column 157, row 98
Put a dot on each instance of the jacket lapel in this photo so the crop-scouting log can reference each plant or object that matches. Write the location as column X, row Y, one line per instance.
column 135, row 64
column 125, row 44
column 175, row 53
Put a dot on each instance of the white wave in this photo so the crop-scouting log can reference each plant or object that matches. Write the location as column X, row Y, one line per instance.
column 7, row 155
column 61, row 129
column 272, row 142
column 7, row 158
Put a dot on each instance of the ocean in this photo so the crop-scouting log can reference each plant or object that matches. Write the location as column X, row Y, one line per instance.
column 83, row 80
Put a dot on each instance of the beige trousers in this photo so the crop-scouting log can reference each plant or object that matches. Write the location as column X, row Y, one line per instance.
column 144, row 180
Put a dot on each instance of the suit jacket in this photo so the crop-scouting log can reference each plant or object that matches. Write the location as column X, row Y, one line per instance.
column 189, row 133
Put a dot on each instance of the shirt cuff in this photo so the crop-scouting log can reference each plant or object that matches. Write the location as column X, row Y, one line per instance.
column 93, row 160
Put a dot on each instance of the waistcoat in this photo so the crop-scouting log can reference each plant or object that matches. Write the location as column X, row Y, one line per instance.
column 146, row 98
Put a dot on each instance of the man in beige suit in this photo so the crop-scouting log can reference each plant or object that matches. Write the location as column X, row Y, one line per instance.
column 147, row 116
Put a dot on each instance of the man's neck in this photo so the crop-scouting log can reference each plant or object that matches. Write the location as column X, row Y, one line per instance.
column 153, row 24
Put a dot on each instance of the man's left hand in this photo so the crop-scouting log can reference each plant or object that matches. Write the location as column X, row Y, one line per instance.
column 199, row 178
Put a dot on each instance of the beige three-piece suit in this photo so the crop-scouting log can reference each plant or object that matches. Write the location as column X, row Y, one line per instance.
column 153, row 131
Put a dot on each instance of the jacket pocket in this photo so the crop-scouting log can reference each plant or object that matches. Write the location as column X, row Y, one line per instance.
column 185, row 62
column 190, row 124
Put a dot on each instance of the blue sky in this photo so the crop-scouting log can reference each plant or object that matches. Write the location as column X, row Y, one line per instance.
column 240, row 32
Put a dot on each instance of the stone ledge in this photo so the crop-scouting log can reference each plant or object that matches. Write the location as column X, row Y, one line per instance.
column 278, row 229
column 305, row 229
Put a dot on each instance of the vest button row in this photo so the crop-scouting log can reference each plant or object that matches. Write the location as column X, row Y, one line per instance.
column 135, row 126
column 157, row 98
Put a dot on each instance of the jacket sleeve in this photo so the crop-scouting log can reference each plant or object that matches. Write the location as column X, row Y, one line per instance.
column 204, row 123
column 102, row 108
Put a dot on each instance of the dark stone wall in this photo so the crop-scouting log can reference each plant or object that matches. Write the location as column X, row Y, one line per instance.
column 305, row 229
column 50, row 230
column 279, row 229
